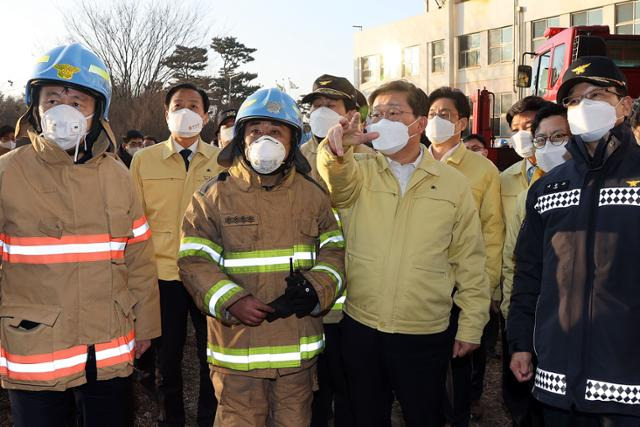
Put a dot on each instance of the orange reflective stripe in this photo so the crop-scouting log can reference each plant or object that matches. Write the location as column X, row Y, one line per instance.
column 118, row 350
column 62, row 258
column 141, row 230
column 43, row 358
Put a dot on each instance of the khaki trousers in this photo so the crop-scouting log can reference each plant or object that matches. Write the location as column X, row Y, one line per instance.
column 257, row 402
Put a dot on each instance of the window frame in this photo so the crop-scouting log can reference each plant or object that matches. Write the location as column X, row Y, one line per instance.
column 464, row 54
column 501, row 45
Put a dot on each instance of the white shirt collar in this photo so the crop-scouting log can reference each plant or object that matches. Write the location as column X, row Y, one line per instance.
column 193, row 147
column 447, row 154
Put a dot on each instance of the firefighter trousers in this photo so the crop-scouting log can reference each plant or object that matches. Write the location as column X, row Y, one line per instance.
column 245, row 401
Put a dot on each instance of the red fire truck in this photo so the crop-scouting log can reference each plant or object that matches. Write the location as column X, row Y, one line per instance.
column 551, row 60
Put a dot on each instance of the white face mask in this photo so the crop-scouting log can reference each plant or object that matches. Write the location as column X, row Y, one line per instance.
column 591, row 119
column 439, row 130
column 133, row 150
column 9, row 145
column 65, row 125
column 323, row 119
column 184, row 122
column 394, row 136
column 522, row 142
column 550, row 156
column 266, row 154
column 226, row 134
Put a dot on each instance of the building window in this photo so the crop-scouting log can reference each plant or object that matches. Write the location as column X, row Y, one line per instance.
column 437, row 56
column 628, row 18
column 539, row 27
column 371, row 68
column 499, row 116
column 500, row 45
column 587, row 17
column 411, row 61
column 469, row 50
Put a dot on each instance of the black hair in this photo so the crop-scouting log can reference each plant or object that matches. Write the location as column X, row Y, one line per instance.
column 475, row 136
column 530, row 103
column 191, row 86
column 549, row 110
column 416, row 98
column 6, row 129
column 456, row 95
column 153, row 138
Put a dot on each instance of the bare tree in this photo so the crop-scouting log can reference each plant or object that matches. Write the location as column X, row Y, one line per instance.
column 134, row 38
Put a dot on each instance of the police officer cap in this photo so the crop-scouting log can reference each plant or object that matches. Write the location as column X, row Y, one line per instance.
column 597, row 70
column 225, row 115
column 335, row 88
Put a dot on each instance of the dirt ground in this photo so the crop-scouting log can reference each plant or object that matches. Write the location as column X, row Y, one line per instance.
column 147, row 412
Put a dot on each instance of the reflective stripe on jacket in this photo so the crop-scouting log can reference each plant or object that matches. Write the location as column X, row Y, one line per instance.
column 77, row 268
column 237, row 240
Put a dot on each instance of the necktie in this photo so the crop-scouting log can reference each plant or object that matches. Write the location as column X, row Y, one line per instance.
column 185, row 156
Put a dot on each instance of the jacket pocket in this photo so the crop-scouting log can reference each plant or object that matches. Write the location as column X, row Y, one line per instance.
column 239, row 232
column 123, row 317
column 120, row 226
column 425, row 295
column 51, row 227
column 28, row 330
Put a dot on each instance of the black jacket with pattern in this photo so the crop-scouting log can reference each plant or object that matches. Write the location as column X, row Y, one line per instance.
column 576, row 299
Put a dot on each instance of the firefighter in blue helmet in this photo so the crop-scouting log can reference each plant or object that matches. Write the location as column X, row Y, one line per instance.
column 79, row 299
column 263, row 255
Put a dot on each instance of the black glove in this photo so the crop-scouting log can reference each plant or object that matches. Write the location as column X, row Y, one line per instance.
column 282, row 308
column 301, row 295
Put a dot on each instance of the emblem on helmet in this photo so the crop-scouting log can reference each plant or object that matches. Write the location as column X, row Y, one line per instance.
column 66, row 71
column 274, row 107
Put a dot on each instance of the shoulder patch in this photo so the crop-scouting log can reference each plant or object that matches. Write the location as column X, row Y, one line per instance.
column 554, row 187
column 222, row 176
column 316, row 183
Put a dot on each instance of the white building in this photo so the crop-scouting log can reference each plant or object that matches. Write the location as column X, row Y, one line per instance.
column 472, row 44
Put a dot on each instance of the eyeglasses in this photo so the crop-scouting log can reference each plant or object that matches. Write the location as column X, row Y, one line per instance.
column 555, row 139
column 392, row 114
column 443, row 114
column 595, row 95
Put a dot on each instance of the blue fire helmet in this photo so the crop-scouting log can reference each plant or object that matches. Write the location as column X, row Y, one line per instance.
column 270, row 104
column 72, row 65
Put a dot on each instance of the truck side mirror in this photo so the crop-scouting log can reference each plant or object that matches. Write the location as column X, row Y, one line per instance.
column 523, row 79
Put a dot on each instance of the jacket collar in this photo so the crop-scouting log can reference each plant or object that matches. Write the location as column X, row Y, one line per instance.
column 428, row 163
column 205, row 149
column 50, row 152
column 247, row 179
column 458, row 154
column 620, row 137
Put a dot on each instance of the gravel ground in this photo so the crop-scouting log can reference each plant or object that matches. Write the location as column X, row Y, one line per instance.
column 147, row 412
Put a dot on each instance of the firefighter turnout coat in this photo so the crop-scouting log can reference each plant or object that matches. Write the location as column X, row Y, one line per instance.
column 77, row 268
column 237, row 240
column 576, row 299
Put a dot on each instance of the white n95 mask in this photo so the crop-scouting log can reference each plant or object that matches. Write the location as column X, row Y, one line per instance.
column 323, row 119
column 394, row 136
column 591, row 119
column 226, row 133
column 439, row 130
column 184, row 122
column 266, row 154
column 64, row 125
column 522, row 142
column 550, row 156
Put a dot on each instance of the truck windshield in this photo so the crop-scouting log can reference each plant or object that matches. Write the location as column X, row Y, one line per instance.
column 625, row 53
column 541, row 74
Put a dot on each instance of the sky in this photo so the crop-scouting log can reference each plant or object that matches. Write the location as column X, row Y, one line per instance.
column 297, row 40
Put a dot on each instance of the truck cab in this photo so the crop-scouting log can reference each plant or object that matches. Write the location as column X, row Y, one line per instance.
column 564, row 45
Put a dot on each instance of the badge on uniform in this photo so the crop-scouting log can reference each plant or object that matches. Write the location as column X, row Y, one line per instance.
column 554, row 187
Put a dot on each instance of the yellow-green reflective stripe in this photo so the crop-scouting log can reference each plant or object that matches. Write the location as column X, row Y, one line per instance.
column 99, row 71
column 269, row 260
column 218, row 295
column 332, row 272
column 334, row 236
column 197, row 246
column 43, row 58
column 266, row 357
column 268, row 268
column 337, row 216
column 337, row 306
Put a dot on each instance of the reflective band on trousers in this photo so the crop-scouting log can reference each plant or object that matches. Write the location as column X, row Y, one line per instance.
column 274, row 357
column 73, row 248
column 62, row 363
